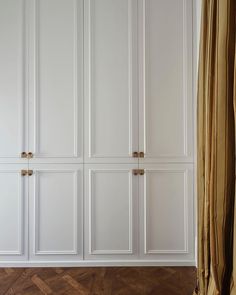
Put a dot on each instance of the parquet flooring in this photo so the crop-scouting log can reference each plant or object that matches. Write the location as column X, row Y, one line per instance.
column 98, row 281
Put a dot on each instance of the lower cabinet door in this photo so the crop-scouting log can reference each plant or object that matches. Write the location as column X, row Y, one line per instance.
column 111, row 207
column 13, row 212
column 166, row 213
column 56, row 212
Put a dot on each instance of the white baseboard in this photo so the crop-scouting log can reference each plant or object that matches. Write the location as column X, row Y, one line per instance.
column 91, row 263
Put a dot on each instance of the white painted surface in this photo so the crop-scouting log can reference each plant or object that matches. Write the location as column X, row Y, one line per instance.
column 165, row 33
column 56, row 212
column 12, row 77
column 166, row 211
column 111, row 90
column 110, row 211
column 131, row 63
column 56, row 89
column 13, row 213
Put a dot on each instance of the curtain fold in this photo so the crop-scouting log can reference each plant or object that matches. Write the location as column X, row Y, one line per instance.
column 216, row 149
column 233, row 279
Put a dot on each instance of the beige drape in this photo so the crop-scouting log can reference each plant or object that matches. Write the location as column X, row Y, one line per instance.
column 216, row 149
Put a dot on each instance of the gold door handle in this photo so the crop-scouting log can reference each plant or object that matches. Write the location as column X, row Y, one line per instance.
column 135, row 172
column 141, row 155
column 30, row 172
column 27, row 172
column 141, row 171
column 23, row 155
column 30, row 155
column 24, row 172
column 135, row 154
column 138, row 172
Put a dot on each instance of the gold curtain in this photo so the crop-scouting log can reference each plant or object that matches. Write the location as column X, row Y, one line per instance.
column 216, row 149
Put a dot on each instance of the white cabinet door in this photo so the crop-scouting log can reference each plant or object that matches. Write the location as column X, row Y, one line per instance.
column 166, row 216
column 111, row 196
column 56, row 80
column 111, row 88
column 166, row 115
column 56, row 212
column 13, row 90
column 13, row 213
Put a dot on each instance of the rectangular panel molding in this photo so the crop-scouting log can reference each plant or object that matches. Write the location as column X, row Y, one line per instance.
column 12, row 208
column 111, row 230
column 166, row 80
column 169, row 204
column 56, row 208
column 111, row 87
column 57, row 70
column 13, row 213
column 13, row 80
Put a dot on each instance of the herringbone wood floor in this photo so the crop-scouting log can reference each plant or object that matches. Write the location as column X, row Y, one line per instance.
column 98, row 281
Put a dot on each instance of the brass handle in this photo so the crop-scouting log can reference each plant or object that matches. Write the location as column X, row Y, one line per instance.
column 30, row 155
column 141, row 171
column 23, row 155
column 135, row 154
column 30, row 172
column 27, row 172
column 141, row 155
column 135, row 172
column 138, row 172
column 24, row 172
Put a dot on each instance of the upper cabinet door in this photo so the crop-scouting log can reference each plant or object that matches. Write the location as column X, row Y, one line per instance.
column 56, row 80
column 13, row 91
column 166, row 127
column 111, row 88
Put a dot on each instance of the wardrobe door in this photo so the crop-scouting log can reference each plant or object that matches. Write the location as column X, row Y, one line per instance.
column 166, row 213
column 111, row 211
column 166, row 108
column 56, row 212
column 13, row 91
column 111, row 86
column 56, row 81
column 13, row 212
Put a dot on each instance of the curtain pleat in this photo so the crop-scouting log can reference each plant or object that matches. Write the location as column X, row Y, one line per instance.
column 216, row 148
column 233, row 278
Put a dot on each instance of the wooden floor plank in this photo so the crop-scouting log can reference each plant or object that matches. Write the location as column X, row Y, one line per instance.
column 98, row 281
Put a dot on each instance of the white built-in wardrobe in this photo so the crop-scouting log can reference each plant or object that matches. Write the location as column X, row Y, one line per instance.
column 96, row 132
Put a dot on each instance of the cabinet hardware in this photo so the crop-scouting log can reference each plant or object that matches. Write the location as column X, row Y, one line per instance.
column 135, row 154
column 30, row 172
column 30, row 155
column 141, row 155
column 141, row 171
column 24, row 172
column 23, row 155
column 135, row 172
column 138, row 172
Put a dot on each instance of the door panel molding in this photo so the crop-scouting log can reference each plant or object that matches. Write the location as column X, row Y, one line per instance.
column 185, row 205
column 21, row 213
column 101, row 197
column 171, row 186
column 90, row 104
column 13, row 92
column 50, row 173
column 76, row 69
column 14, row 199
column 186, row 155
column 92, row 250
